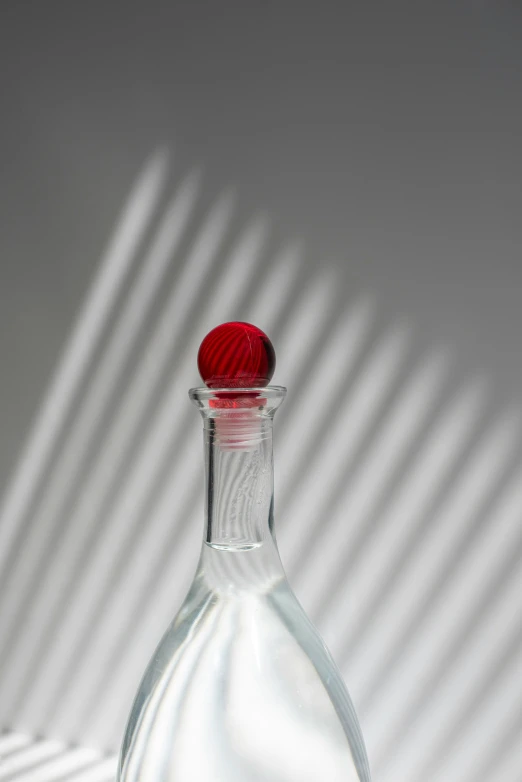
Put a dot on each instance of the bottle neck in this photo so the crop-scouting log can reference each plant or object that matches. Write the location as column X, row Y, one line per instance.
column 239, row 480
column 239, row 466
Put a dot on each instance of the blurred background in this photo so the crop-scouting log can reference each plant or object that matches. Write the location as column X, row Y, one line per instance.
column 348, row 177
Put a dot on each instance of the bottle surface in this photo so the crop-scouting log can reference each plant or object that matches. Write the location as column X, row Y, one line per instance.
column 241, row 688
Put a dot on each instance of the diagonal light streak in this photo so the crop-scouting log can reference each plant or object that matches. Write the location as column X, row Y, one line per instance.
column 347, row 431
column 112, row 272
column 468, row 581
column 500, row 754
column 437, row 458
column 118, row 529
column 445, row 644
column 274, row 293
column 504, row 765
column 490, row 719
column 480, row 478
column 58, row 767
column 310, row 312
column 170, row 549
column 13, row 742
column 347, row 340
column 226, row 297
column 104, row 771
column 373, row 475
column 89, row 416
column 61, row 548
column 34, row 754
column 462, row 685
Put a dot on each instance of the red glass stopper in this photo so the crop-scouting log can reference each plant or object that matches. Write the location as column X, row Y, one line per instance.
column 236, row 355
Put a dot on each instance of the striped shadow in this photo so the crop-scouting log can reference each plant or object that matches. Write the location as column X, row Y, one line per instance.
column 391, row 470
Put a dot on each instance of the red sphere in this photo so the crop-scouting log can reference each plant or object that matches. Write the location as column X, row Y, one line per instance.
column 236, row 355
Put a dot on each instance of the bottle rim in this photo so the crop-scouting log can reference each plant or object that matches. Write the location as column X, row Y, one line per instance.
column 204, row 393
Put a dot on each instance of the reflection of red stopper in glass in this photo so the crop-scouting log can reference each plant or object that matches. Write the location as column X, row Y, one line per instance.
column 236, row 355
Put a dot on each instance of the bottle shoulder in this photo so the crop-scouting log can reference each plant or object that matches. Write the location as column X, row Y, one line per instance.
column 252, row 662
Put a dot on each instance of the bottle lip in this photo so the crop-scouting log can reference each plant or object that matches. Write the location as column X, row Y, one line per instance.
column 204, row 394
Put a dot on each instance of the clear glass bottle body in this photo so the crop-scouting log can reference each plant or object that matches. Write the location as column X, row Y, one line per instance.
column 241, row 688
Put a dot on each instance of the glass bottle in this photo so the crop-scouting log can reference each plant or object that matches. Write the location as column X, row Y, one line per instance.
column 241, row 688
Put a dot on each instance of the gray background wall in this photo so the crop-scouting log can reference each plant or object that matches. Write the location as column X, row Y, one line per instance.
column 379, row 145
